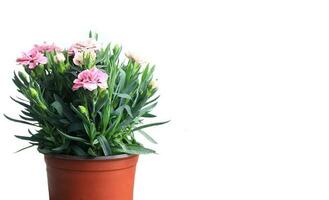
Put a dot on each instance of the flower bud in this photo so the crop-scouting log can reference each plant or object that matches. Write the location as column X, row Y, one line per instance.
column 59, row 57
column 116, row 49
column 34, row 93
column 83, row 110
column 42, row 106
column 153, row 84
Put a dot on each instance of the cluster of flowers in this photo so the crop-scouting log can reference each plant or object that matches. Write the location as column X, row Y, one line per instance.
column 88, row 79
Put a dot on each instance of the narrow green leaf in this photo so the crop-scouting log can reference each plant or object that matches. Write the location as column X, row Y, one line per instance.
column 62, row 147
column 106, row 117
column 105, row 145
column 77, row 126
column 44, row 151
column 148, row 115
column 20, row 121
column 27, row 118
column 122, row 76
column 153, row 100
column 147, row 136
column 122, row 95
column 149, row 125
column 20, row 102
column 23, row 77
column 91, row 152
column 147, row 109
column 101, row 103
column 67, row 112
column 134, row 149
column 24, row 148
column 27, row 138
column 127, row 108
column 58, row 106
column 79, row 151
column 74, row 138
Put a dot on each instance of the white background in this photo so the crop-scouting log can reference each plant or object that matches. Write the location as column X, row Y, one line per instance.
column 245, row 84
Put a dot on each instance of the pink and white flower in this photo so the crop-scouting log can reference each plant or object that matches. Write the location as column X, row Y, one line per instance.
column 90, row 79
column 87, row 45
column 59, row 57
column 32, row 58
column 134, row 57
column 46, row 48
column 80, row 56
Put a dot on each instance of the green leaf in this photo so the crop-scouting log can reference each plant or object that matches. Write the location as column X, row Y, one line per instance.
column 122, row 75
column 134, row 149
column 44, row 150
column 148, row 115
column 24, row 148
column 58, row 106
column 149, row 125
column 20, row 121
column 65, row 122
column 77, row 126
column 147, row 136
column 79, row 151
column 105, row 145
column 125, row 122
column 74, row 138
column 119, row 110
column 101, row 103
column 27, row 118
column 147, row 108
column 127, row 108
column 67, row 112
column 20, row 102
column 23, row 77
column 63, row 147
column 27, row 138
column 106, row 117
column 18, row 82
column 90, row 130
column 124, row 96
column 153, row 100
column 91, row 152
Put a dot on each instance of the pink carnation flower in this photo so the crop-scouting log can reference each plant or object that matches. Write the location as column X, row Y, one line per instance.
column 90, row 79
column 87, row 45
column 46, row 48
column 32, row 58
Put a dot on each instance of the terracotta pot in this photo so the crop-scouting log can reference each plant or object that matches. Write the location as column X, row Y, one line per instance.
column 106, row 178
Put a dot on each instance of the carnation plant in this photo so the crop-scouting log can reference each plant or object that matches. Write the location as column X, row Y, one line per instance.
column 84, row 100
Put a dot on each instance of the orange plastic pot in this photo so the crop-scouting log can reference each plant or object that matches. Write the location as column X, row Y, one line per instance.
column 107, row 178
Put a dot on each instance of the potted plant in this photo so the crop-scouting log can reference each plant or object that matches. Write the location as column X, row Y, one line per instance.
column 87, row 105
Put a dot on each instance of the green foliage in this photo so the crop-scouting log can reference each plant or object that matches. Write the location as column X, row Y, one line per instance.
column 102, row 122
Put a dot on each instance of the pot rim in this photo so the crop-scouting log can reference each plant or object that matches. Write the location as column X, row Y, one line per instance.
column 70, row 157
